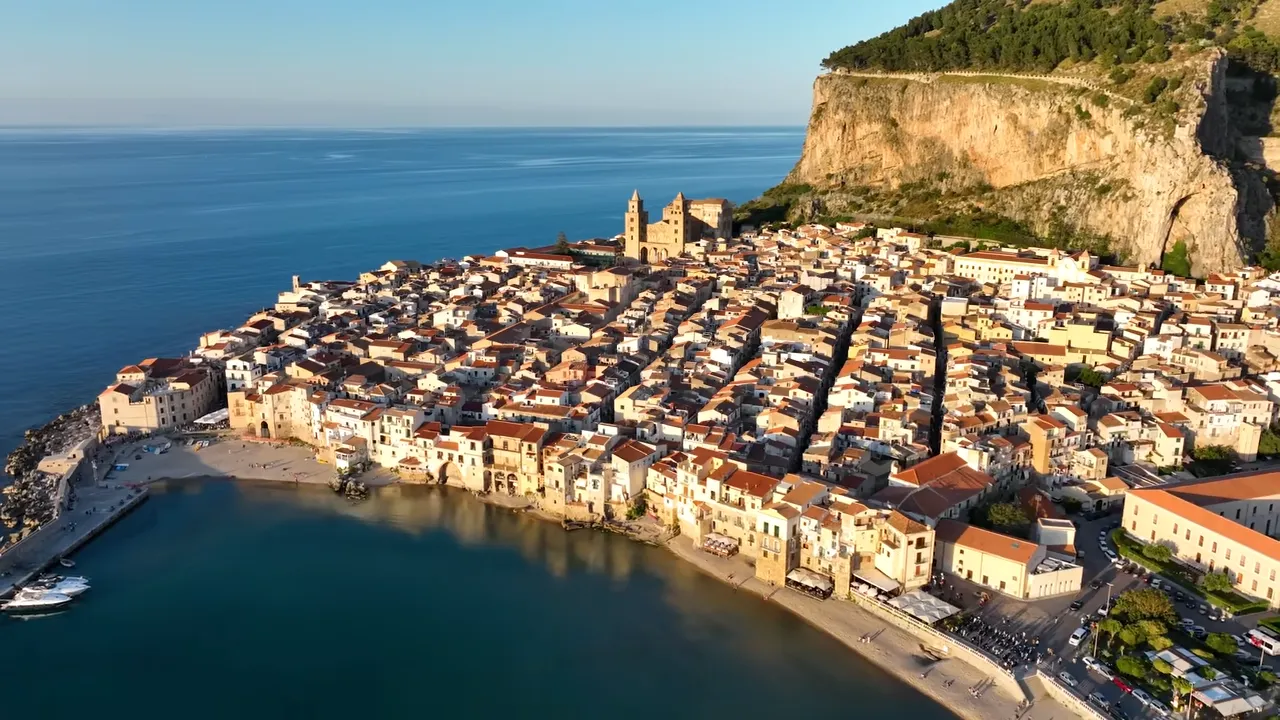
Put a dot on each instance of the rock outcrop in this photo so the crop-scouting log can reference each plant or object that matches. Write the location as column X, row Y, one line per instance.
column 1043, row 153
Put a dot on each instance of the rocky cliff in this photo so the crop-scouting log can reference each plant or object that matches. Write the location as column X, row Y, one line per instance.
column 1046, row 153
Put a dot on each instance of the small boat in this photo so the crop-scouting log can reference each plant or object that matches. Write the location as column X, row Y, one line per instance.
column 66, row 562
column 35, row 600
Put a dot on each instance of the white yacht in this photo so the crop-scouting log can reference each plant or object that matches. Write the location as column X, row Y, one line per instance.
column 71, row 587
column 34, row 600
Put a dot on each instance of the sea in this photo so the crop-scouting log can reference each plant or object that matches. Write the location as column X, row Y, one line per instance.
column 224, row 599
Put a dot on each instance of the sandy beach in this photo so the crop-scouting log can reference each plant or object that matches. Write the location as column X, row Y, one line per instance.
column 895, row 650
column 235, row 458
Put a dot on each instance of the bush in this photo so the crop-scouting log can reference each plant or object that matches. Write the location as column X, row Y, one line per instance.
column 636, row 511
column 1133, row 666
column 1154, row 89
column 1176, row 261
column 1221, row 643
column 1101, row 100
column 1159, row 553
column 1121, row 75
column 1211, row 453
column 1217, row 582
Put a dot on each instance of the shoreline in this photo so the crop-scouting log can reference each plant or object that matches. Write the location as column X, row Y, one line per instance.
column 895, row 651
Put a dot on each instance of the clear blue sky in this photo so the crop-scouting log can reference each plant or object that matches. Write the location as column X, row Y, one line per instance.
column 424, row 62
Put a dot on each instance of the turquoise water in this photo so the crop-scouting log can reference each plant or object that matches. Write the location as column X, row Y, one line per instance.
column 216, row 600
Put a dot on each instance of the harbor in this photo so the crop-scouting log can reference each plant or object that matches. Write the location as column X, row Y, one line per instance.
column 96, row 509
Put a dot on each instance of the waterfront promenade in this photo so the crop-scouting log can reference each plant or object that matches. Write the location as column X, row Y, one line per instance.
column 895, row 650
column 94, row 510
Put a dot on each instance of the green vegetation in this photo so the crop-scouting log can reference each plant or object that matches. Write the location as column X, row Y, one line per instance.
column 1221, row 643
column 1176, row 260
column 1085, row 375
column 816, row 310
column 773, row 207
column 1184, row 576
column 1006, row 518
column 1022, row 37
column 1033, row 37
column 1272, row 622
column 1154, row 89
column 1143, row 606
column 562, row 244
column 1215, row 582
column 1159, row 553
column 636, row 511
column 1269, row 443
column 1212, row 460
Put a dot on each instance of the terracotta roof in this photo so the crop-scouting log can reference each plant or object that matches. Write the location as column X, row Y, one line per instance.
column 1183, row 502
column 985, row 541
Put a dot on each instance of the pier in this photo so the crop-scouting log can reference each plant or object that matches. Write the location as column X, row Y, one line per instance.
column 66, row 533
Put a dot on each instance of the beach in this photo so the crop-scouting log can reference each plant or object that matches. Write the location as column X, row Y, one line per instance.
column 895, row 650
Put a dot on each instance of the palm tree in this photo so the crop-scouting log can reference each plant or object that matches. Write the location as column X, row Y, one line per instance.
column 1181, row 687
column 1111, row 627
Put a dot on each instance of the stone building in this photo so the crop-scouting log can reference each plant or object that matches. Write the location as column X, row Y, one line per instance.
column 683, row 222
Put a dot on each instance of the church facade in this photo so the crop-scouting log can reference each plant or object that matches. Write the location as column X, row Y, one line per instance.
column 683, row 222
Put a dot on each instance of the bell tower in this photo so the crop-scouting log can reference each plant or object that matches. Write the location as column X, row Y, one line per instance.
column 635, row 226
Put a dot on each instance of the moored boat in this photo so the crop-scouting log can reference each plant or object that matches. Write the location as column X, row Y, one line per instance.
column 35, row 600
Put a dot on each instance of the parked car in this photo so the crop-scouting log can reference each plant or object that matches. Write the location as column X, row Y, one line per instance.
column 1097, row 699
column 1076, row 604
column 1203, row 609
column 1159, row 707
column 1214, row 615
column 1198, row 632
column 1067, row 678
column 1187, row 624
column 1095, row 584
column 1190, row 604
column 1120, row 683
column 1181, row 596
column 1142, row 696
column 1098, row 667
column 1078, row 636
column 1240, row 641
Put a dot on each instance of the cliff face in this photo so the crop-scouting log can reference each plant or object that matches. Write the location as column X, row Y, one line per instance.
column 1043, row 153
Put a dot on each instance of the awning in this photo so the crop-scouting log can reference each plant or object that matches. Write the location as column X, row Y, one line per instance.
column 214, row 417
column 809, row 578
column 872, row 576
column 924, row 606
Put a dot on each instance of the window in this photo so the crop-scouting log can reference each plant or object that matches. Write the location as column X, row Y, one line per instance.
column 1237, row 513
column 1175, row 528
column 1257, row 568
column 1201, row 541
column 1228, row 553
column 1214, row 548
column 1188, row 536
column 1254, row 587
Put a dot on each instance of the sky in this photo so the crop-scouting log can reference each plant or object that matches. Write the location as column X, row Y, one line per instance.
column 424, row 62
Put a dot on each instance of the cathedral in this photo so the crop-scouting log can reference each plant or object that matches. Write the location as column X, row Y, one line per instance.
column 683, row 222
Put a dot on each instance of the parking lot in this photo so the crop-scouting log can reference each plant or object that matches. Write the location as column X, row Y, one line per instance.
column 1051, row 622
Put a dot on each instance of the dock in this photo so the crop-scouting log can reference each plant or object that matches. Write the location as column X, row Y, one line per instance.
column 96, row 508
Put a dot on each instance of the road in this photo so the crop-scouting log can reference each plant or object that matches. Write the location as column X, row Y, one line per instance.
column 1053, row 621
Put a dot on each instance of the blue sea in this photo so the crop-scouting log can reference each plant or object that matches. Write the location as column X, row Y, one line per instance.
column 116, row 246
column 218, row 599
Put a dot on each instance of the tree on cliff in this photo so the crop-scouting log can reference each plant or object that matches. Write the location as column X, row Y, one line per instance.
column 1176, row 260
column 562, row 244
column 994, row 34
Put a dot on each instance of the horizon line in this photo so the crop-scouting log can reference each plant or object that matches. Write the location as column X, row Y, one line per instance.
column 28, row 127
